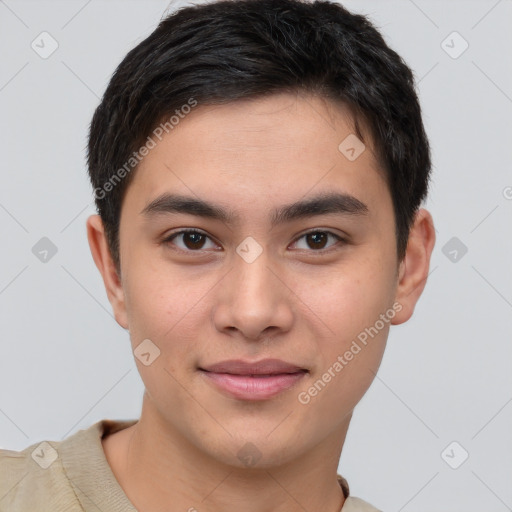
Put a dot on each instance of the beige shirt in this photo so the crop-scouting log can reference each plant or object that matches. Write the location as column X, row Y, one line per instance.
column 73, row 475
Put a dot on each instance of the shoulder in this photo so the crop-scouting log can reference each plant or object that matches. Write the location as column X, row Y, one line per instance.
column 353, row 504
column 61, row 475
column 34, row 479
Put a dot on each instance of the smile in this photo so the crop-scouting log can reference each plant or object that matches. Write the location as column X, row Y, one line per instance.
column 253, row 387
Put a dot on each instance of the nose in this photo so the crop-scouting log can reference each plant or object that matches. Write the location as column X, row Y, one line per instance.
column 254, row 301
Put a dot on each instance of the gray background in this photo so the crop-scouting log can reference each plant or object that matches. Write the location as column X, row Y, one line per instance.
column 65, row 363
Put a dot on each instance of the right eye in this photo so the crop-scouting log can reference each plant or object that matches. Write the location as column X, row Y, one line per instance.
column 192, row 240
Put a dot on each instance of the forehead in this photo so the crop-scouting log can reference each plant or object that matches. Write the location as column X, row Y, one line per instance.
column 297, row 122
column 281, row 146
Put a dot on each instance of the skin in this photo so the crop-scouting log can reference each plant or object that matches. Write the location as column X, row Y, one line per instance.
column 291, row 303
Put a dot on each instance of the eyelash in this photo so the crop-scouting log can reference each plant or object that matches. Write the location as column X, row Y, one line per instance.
column 171, row 237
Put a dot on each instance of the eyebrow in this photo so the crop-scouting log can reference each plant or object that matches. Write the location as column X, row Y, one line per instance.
column 322, row 204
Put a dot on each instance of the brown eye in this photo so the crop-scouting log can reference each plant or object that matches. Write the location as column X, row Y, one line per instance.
column 193, row 240
column 189, row 240
column 317, row 240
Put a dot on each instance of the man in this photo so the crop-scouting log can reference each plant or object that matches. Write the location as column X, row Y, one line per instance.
column 258, row 169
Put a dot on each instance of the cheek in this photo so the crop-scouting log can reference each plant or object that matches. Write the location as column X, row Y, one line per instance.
column 349, row 301
column 168, row 309
column 155, row 306
column 348, row 363
column 148, row 305
column 341, row 384
column 162, row 313
column 358, row 308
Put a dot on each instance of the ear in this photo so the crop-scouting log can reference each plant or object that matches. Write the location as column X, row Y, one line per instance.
column 413, row 270
column 103, row 259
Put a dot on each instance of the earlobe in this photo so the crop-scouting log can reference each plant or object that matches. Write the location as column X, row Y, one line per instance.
column 103, row 260
column 413, row 271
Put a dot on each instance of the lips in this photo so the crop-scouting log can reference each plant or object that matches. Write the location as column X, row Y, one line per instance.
column 260, row 380
column 263, row 367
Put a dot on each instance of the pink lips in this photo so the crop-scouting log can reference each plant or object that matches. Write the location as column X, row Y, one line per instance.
column 253, row 381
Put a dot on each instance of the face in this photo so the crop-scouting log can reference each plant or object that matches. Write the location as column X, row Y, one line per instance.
column 312, row 285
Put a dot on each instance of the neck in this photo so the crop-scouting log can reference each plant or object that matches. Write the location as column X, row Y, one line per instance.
column 161, row 470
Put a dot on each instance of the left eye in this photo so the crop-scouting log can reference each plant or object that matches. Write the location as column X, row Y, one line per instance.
column 318, row 239
column 193, row 240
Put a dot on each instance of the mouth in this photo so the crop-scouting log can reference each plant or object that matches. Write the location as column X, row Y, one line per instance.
column 260, row 380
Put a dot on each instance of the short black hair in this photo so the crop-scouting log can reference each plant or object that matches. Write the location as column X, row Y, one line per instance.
column 223, row 51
